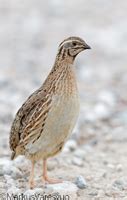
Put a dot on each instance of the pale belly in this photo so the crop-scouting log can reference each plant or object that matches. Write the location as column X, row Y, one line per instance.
column 59, row 125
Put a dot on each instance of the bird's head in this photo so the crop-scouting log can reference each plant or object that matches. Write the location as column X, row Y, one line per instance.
column 72, row 46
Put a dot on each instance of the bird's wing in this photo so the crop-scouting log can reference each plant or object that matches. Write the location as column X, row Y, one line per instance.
column 28, row 118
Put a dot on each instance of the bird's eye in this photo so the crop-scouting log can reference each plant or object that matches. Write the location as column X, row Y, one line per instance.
column 74, row 43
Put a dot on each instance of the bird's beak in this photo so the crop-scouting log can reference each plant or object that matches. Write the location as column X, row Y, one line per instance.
column 86, row 46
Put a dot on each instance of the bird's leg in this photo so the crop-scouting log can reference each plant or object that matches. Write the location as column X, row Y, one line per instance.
column 31, row 179
column 45, row 176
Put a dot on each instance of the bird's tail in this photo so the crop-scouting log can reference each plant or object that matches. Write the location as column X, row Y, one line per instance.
column 13, row 155
column 18, row 151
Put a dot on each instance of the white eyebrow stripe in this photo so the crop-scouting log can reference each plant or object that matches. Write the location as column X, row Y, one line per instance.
column 67, row 42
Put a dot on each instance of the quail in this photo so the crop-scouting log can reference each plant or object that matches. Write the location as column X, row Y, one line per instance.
column 45, row 121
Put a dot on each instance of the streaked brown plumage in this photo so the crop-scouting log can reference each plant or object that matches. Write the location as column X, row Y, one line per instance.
column 44, row 122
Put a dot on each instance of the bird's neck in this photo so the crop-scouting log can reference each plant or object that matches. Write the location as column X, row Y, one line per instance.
column 63, row 59
column 63, row 64
column 63, row 73
column 62, row 76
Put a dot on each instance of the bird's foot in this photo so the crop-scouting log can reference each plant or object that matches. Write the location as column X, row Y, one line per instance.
column 31, row 184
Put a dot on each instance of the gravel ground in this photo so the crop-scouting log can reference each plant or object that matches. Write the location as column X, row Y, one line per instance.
column 93, row 162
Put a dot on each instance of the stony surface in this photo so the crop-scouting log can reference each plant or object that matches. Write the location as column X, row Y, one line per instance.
column 97, row 151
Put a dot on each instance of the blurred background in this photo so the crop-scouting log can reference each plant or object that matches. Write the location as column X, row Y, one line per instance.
column 30, row 32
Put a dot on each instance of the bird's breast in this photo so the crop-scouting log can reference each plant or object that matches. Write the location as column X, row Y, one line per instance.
column 64, row 110
column 59, row 124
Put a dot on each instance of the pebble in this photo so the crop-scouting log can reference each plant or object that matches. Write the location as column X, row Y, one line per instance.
column 101, row 194
column 65, row 188
column 120, row 184
column 7, row 169
column 16, row 173
column 107, row 97
column 89, row 116
column 22, row 163
column 111, row 166
column 94, row 193
column 122, row 117
column 104, row 175
column 80, row 153
column 81, row 182
column 102, row 111
column 10, row 182
column 29, row 192
column 35, row 191
column 14, row 191
column 77, row 161
column 48, row 190
column 119, row 134
column 13, row 171
column 71, row 145
column 65, row 150
column 88, row 148
column 119, row 167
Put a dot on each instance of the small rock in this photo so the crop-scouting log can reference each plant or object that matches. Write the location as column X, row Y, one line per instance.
column 102, row 111
column 48, row 190
column 101, row 194
column 111, row 166
column 119, row 167
column 109, row 138
column 93, row 142
column 71, row 145
column 90, row 116
column 89, row 178
column 12, row 170
column 22, row 163
column 107, row 97
column 7, row 169
column 65, row 188
column 10, row 182
column 66, row 149
column 5, row 162
column 104, row 175
column 29, row 192
column 16, row 173
column 80, row 153
column 14, row 191
column 77, row 161
column 38, row 191
column 81, row 182
column 122, row 116
column 120, row 184
column 94, row 193
column 88, row 148
column 105, row 162
column 119, row 134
